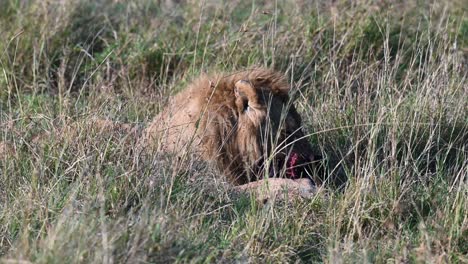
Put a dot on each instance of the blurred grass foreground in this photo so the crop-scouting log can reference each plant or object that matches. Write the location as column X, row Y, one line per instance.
column 381, row 84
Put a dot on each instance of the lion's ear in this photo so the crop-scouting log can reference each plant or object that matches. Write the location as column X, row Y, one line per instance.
column 242, row 89
column 246, row 90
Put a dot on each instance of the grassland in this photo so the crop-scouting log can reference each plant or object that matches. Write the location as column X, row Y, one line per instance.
column 381, row 86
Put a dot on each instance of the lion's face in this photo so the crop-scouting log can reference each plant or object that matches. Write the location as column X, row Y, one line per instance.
column 269, row 135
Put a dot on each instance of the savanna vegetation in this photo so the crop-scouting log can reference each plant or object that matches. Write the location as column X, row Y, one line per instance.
column 381, row 87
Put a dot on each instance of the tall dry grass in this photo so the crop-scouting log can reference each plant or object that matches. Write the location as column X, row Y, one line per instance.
column 381, row 87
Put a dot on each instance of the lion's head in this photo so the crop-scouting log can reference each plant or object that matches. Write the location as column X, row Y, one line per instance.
column 266, row 134
column 245, row 122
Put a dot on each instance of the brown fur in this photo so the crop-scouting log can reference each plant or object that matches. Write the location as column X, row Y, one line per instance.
column 239, row 120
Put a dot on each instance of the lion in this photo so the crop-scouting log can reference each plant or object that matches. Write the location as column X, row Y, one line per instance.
column 245, row 122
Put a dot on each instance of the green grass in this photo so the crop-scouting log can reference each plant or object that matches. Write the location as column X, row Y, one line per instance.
column 381, row 87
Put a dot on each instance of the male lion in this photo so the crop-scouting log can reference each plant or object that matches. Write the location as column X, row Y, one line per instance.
column 245, row 122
